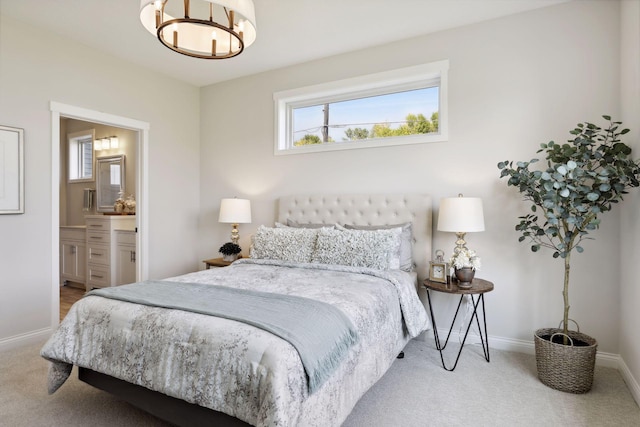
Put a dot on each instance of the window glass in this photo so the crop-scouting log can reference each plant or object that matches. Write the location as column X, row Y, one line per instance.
column 81, row 156
column 395, row 114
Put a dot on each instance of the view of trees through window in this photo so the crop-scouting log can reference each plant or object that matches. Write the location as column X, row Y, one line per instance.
column 383, row 116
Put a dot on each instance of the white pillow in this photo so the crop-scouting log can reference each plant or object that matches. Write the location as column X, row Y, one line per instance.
column 358, row 248
column 285, row 244
column 406, row 238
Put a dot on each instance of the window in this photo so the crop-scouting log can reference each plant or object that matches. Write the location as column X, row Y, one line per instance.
column 404, row 106
column 81, row 156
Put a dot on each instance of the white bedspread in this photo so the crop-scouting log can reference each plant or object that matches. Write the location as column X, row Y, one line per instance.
column 236, row 368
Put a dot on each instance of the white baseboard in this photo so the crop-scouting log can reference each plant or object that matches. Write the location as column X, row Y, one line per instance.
column 631, row 382
column 607, row 360
column 25, row 339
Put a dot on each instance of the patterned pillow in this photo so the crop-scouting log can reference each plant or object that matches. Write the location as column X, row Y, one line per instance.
column 285, row 244
column 358, row 248
column 406, row 238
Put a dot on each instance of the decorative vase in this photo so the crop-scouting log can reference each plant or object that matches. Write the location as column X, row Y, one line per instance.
column 230, row 258
column 465, row 276
column 130, row 205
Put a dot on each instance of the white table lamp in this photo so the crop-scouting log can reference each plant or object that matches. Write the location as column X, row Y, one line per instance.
column 461, row 215
column 235, row 211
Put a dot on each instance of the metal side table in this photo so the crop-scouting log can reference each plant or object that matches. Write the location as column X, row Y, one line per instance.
column 478, row 288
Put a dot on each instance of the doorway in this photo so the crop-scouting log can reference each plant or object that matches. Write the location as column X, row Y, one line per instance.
column 141, row 129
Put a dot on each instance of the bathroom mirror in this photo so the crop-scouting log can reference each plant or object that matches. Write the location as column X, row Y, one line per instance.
column 110, row 179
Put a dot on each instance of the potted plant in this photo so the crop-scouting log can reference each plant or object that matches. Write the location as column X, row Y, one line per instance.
column 583, row 179
column 230, row 251
column 465, row 263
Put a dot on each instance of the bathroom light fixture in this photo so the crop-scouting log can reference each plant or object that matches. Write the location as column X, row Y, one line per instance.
column 106, row 143
column 207, row 29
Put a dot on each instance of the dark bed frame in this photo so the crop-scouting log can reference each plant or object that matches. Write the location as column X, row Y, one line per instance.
column 167, row 408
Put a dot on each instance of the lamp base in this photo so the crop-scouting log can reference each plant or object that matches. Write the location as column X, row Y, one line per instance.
column 460, row 243
column 235, row 235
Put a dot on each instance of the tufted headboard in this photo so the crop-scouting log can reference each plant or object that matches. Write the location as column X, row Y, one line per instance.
column 363, row 209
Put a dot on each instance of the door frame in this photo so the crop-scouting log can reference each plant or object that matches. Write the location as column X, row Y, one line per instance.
column 59, row 110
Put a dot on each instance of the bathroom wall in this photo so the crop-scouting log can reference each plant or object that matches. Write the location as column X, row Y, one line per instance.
column 71, row 193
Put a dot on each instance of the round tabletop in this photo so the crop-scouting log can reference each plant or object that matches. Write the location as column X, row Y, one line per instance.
column 478, row 286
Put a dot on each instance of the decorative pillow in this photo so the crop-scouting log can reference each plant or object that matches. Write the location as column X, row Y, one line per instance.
column 285, row 244
column 358, row 248
column 296, row 224
column 406, row 239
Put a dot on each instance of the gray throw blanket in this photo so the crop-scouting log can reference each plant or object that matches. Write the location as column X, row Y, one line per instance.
column 321, row 333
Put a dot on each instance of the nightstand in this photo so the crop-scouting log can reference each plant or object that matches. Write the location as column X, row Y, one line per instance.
column 216, row 262
column 478, row 288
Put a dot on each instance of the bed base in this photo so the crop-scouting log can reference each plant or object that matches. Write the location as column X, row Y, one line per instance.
column 167, row 408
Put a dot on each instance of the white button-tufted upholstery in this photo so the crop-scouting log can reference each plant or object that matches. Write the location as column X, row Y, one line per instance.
column 360, row 209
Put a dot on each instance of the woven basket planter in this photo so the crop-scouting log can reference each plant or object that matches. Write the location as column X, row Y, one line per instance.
column 565, row 367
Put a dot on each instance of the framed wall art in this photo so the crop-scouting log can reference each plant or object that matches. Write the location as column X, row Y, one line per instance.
column 11, row 170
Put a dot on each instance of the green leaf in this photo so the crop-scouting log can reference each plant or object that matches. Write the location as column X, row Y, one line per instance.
column 607, row 117
column 535, row 248
column 579, row 249
column 593, row 196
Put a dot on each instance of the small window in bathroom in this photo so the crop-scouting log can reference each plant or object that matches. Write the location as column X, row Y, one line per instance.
column 81, row 157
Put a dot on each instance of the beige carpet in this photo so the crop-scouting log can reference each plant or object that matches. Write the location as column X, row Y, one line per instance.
column 415, row 392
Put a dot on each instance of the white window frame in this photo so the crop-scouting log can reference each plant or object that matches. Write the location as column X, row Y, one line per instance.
column 403, row 79
column 73, row 158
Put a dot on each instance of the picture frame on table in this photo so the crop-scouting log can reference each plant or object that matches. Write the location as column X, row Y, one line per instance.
column 438, row 271
column 11, row 170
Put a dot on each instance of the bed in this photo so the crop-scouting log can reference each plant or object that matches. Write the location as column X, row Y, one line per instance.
column 191, row 368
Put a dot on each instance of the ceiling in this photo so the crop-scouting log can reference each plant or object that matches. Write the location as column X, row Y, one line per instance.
column 289, row 31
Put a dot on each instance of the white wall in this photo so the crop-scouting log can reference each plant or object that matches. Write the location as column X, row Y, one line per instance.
column 37, row 67
column 514, row 83
column 630, row 226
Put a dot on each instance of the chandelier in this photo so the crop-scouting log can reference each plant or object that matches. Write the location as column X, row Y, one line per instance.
column 208, row 29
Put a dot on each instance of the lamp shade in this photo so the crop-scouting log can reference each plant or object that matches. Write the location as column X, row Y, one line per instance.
column 461, row 215
column 235, row 211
